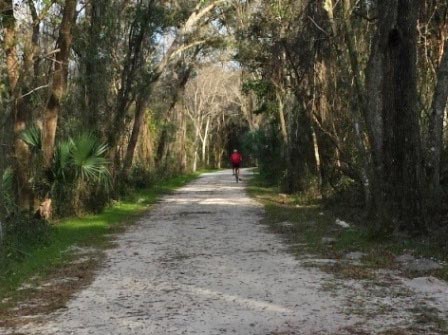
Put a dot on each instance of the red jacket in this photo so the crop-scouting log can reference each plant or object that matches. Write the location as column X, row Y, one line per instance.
column 236, row 158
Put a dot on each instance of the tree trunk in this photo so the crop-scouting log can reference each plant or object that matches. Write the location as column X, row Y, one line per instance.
column 59, row 82
column 195, row 149
column 30, row 64
column 302, row 162
column 96, row 74
column 145, row 149
column 359, row 109
column 204, row 140
column 317, row 157
column 9, row 42
column 181, row 137
column 20, row 113
column 132, row 64
column 392, row 84
column 281, row 115
column 183, row 143
column 140, row 109
column 435, row 141
column 325, row 139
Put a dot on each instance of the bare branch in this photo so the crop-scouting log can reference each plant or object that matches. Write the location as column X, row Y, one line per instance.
column 186, row 47
column 34, row 90
column 318, row 27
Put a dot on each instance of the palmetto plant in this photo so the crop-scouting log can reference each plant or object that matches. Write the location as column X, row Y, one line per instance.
column 32, row 137
column 62, row 161
column 80, row 157
column 87, row 158
column 79, row 164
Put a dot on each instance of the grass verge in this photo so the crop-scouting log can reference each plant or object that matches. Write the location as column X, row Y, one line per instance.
column 310, row 228
column 53, row 259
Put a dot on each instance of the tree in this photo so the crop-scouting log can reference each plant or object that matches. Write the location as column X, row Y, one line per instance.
column 435, row 143
column 18, row 109
column 392, row 104
column 59, row 81
column 209, row 98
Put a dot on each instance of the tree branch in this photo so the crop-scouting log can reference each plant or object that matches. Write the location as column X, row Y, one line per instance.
column 318, row 27
column 34, row 90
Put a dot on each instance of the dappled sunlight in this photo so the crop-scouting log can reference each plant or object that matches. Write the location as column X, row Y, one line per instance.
column 213, row 201
column 203, row 188
column 182, row 201
column 225, row 201
column 198, row 294
column 220, row 193
column 199, row 263
column 337, row 111
column 253, row 304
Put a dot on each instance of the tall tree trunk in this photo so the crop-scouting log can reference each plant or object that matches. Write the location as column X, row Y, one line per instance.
column 392, row 83
column 359, row 109
column 301, row 162
column 321, row 90
column 205, row 141
column 183, row 143
column 195, row 149
column 145, row 145
column 140, row 109
column 435, row 140
column 96, row 78
column 317, row 157
column 31, row 65
column 126, row 94
column 59, row 82
column 181, row 136
column 183, row 72
column 281, row 115
column 9, row 42
column 20, row 113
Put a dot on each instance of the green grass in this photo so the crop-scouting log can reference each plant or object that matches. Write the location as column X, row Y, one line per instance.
column 88, row 231
column 311, row 222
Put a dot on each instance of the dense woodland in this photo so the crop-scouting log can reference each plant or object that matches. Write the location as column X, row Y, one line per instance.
column 335, row 99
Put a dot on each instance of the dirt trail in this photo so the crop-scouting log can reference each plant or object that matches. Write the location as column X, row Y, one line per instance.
column 200, row 263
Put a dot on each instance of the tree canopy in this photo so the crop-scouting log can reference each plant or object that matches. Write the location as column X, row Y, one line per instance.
column 340, row 100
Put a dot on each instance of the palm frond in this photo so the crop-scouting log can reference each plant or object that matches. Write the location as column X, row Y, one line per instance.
column 62, row 160
column 88, row 158
column 33, row 138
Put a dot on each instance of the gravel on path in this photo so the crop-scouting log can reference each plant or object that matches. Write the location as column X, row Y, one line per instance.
column 200, row 263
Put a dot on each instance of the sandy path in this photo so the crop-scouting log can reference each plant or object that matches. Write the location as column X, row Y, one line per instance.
column 199, row 263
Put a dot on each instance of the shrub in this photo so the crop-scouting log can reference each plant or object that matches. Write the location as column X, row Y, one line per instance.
column 22, row 233
column 141, row 177
column 78, row 178
column 264, row 146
